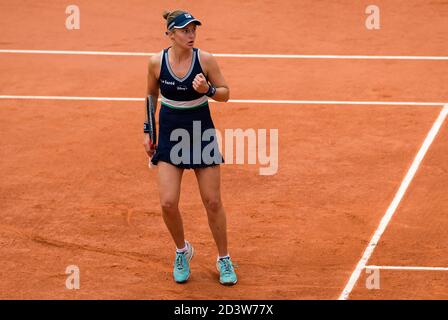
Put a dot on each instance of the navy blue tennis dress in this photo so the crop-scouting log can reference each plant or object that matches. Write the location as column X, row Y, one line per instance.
column 187, row 135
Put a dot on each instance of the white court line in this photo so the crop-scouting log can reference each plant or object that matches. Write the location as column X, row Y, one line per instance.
column 233, row 55
column 384, row 103
column 13, row 97
column 334, row 102
column 407, row 268
column 395, row 202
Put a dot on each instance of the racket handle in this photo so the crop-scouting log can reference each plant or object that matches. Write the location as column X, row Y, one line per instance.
column 150, row 164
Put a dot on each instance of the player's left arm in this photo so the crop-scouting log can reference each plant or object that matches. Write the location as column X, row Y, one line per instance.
column 215, row 77
column 153, row 90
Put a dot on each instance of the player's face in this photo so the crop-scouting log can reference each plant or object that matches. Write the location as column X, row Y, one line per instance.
column 186, row 36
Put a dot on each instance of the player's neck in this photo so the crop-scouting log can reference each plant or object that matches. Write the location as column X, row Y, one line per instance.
column 180, row 54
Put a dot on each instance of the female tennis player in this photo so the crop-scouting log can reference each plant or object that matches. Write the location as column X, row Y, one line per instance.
column 187, row 77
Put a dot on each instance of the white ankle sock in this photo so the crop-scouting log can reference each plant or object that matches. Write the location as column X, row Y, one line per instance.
column 184, row 249
column 222, row 257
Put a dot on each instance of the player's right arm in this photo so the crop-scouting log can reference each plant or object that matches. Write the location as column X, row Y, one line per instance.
column 152, row 89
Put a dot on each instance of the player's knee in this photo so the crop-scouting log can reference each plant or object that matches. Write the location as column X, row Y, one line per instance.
column 213, row 204
column 168, row 205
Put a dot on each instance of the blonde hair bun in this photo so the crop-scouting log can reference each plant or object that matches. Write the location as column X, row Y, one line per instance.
column 165, row 14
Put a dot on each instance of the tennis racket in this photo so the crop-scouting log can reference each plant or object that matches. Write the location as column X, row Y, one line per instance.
column 151, row 115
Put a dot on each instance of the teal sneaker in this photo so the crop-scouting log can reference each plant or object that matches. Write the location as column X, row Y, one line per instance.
column 227, row 275
column 181, row 270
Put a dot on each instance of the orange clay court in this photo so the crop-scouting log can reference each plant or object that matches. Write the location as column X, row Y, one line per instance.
column 358, row 184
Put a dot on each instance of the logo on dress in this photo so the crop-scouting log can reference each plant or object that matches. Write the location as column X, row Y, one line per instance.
column 170, row 83
column 182, row 88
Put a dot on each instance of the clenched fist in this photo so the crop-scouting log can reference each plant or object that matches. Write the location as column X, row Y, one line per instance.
column 200, row 84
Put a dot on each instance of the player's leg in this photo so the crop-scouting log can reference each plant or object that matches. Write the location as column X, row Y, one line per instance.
column 209, row 186
column 169, row 179
column 209, row 179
